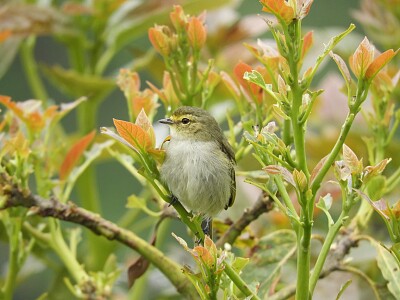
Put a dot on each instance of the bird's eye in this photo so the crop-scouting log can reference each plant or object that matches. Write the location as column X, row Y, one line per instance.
column 185, row 121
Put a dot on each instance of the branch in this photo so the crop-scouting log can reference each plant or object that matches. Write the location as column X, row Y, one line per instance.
column 262, row 205
column 13, row 196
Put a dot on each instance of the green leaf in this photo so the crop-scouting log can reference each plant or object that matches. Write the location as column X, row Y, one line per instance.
column 76, row 84
column 270, row 254
column 390, row 268
column 325, row 204
column 376, row 187
column 256, row 78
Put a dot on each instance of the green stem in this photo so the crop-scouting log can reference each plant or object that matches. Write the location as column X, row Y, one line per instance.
column 333, row 154
column 31, row 70
column 238, row 281
column 11, row 278
column 285, row 196
column 332, row 232
column 303, row 256
column 61, row 248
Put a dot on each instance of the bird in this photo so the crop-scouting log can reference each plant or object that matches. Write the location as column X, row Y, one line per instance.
column 199, row 165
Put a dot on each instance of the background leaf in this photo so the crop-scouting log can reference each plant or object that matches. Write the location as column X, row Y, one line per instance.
column 74, row 154
column 390, row 268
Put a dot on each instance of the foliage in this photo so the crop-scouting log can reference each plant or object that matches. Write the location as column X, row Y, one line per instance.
column 272, row 103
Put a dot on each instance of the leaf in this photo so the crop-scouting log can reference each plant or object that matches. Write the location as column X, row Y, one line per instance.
column 372, row 171
column 196, row 33
column 77, row 84
column 305, row 7
column 93, row 153
column 351, row 160
column 300, row 179
column 280, row 8
column 376, row 187
column 362, row 58
column 308, row 41
column 390, row 268
column 317, row 169
column 74, row 154
column 379, row 63
column 325, row 204
column 379, row 206
column 269, row 255
column 342, row 68
column 279, row 170
column 282, row 88
column 143, row 121
column 256, row 78
column 134, row 135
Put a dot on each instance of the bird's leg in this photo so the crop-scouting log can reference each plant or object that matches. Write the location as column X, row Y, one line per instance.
column 206, row 225
column 174, row 200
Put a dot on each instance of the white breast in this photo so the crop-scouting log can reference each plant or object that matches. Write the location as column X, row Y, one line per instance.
column 198, row 174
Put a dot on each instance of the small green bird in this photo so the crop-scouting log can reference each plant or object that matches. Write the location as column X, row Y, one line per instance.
column 199, row 164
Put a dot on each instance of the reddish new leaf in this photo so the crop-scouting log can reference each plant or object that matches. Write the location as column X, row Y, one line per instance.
column 196, row 33
column 351, row 160
column 317, row 169
column 279, row 170
column 362, row 58
column 379, row 63
column 280, row 8
column 133, row 134
column 74, row 154
column 308, row 41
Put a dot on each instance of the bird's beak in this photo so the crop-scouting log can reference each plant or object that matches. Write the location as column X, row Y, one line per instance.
column 167, row 121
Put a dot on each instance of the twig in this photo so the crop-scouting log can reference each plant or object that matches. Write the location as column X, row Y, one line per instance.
column 69, row 212
column 262, row 205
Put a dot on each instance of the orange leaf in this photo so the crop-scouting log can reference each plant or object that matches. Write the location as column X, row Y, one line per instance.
column 160, row 40
column 280, row 8
column 6, row 101
column 143, row 121
column 379, row 63
column 239, row 71
column 196, row 33
column 74, row 154
column 308, row 40
column 133, row 134
column 362, row 58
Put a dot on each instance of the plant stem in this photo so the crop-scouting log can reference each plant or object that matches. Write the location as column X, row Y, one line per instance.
column 9, row 285
column 303, row 257
column 238, row 281
column 334, row 152
column 332, row 232
column 31, row 70
column 59, row 246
